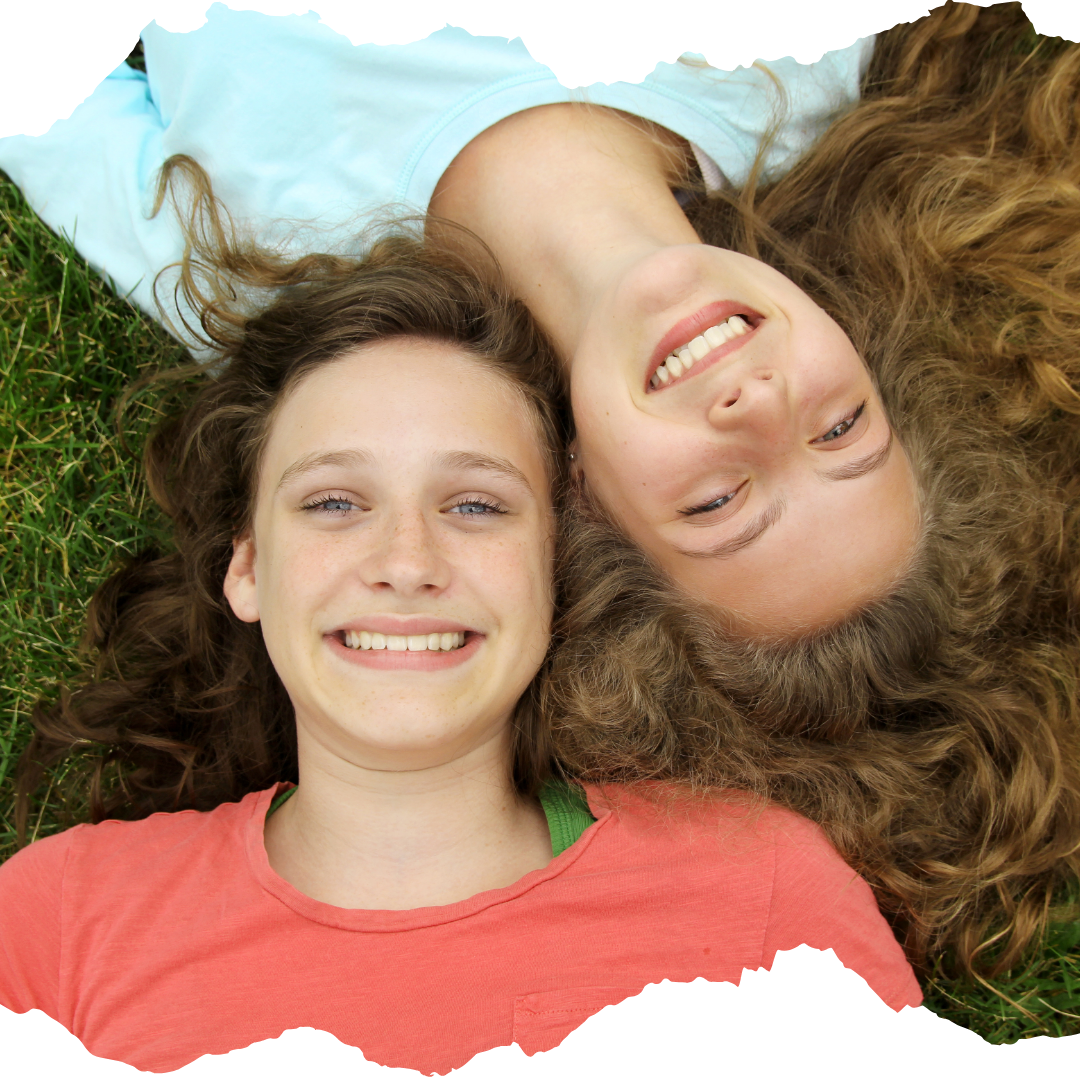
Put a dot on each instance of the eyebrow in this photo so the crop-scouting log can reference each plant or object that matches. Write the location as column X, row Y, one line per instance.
column 744, row 538
column 770, row 515
column 463, row 459
column 450, row 459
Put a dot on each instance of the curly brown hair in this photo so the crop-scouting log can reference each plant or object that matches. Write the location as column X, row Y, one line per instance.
column 183, row 707
column 936, row 733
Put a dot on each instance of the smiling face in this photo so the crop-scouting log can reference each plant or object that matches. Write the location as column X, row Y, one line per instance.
column 731, row 428
column 400, row 560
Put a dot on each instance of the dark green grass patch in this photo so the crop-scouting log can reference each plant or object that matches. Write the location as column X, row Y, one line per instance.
column 72, row 502
column 1040, row 998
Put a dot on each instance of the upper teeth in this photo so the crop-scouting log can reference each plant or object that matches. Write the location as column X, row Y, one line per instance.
column 682, row 360
column 362, row 639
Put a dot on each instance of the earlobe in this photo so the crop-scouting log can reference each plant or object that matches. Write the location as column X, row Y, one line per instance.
column 239, row 584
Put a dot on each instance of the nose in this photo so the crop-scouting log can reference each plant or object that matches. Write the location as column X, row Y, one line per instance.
column 750, row 398
column 405, row 557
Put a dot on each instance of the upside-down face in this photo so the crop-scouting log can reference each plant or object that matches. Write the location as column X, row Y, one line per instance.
column 729, row 425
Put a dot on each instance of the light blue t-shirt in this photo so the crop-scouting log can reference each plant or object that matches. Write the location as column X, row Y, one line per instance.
column 296, row 125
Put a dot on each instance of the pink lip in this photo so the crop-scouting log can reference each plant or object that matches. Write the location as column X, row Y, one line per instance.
column 403, row 625
column 385, row 660
column 685, row 330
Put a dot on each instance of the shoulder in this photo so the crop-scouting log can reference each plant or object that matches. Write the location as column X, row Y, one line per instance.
column 31, row 898
column 748, row 844
column 743, row 837
column 39, row 863
column 776, row 844
column 144, row 843
column 739, row 821
column 95, row 887
column 804, row 891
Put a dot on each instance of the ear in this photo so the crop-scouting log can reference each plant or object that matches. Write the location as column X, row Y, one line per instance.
column 239, row 584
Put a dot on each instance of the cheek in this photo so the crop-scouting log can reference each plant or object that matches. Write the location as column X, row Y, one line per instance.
column 297, row 573
column 614, row 444
column 515, row 579
column 644, row 475
column 829, row 359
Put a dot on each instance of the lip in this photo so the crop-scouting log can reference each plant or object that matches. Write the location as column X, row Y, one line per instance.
column 385, row 660
column 403, row 625
column 689, row 328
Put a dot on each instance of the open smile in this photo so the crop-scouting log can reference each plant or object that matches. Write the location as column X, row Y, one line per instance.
column 392, row 652
column 699, row 341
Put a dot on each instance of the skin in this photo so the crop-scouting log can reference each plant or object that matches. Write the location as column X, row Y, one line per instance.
column 610, row 266
column 434, row 509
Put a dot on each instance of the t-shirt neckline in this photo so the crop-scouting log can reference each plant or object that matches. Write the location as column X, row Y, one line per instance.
column 382, row 921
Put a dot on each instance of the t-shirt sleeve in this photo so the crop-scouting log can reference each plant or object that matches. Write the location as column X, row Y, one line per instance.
column 93, row 178
column 784, row 104
column 818, row 900
column 31, row 897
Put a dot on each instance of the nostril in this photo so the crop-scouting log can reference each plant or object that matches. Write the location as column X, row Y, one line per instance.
column 731, row 400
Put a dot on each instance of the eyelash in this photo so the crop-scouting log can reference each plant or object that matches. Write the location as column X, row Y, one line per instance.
column 489, row 507
column 720, row 503
column 847, row 425
column 716, row 504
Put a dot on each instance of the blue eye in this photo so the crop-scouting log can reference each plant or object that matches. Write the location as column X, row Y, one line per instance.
column 331, row 504
column 843, row 427
column 339, row 506
column 704, row 508
column 476, row 508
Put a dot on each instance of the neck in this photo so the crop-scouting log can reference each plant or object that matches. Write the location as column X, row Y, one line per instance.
column 380, row 839
column 567, row 197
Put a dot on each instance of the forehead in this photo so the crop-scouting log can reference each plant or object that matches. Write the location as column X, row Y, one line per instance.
column 399, row 395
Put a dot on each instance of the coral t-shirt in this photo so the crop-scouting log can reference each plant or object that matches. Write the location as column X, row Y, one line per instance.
column 158, row 941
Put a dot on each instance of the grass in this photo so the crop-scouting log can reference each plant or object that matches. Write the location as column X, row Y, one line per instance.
column 1041, row 998
column 73, row 505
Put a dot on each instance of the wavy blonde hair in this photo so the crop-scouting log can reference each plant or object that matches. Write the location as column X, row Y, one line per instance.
column 936, row 733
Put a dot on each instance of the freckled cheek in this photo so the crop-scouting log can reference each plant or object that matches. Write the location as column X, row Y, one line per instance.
column 616, row 453
column 304, row 574
column 513, row 580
